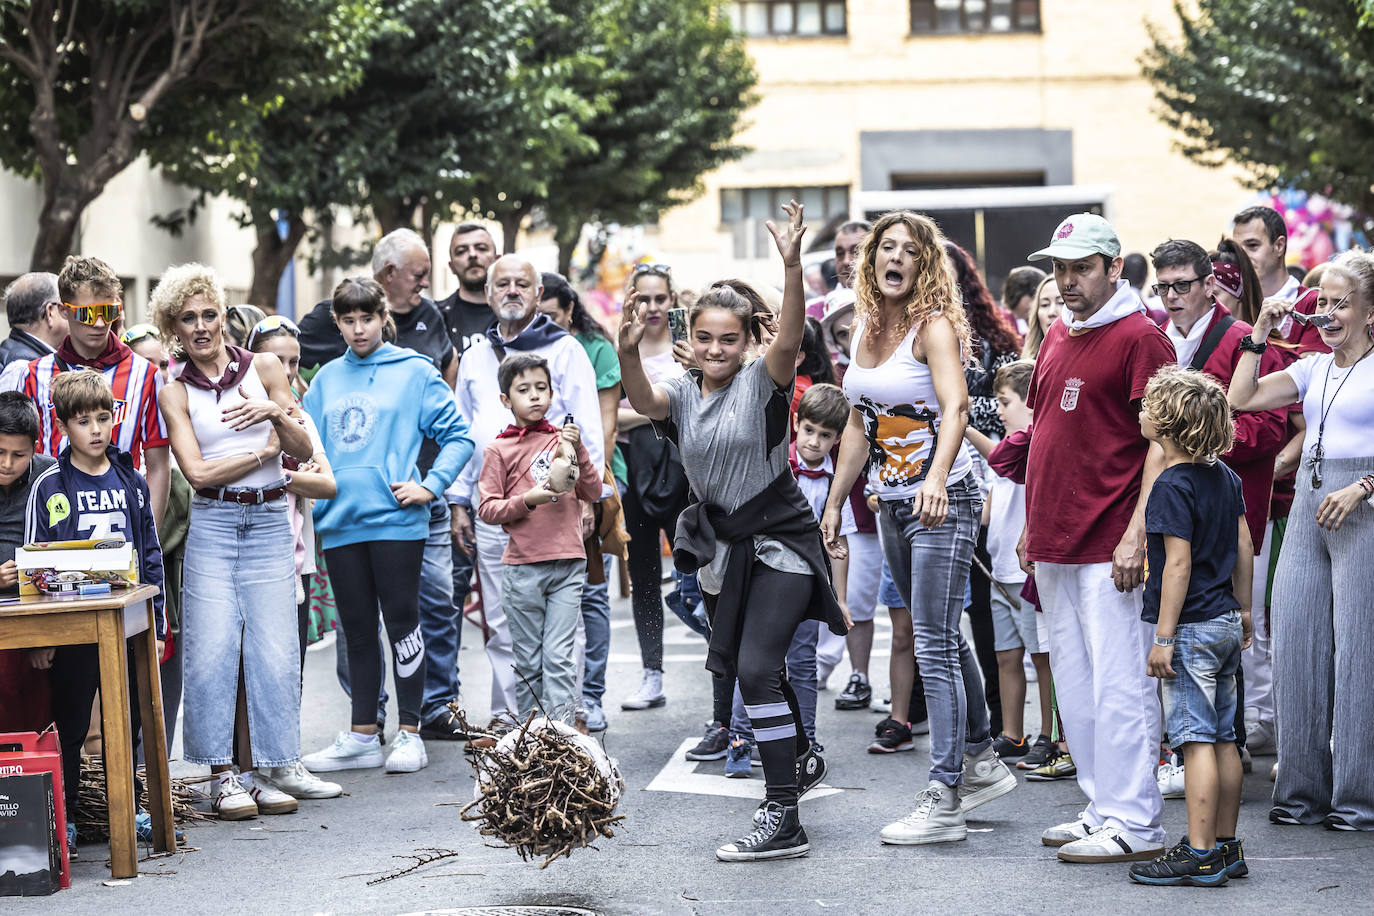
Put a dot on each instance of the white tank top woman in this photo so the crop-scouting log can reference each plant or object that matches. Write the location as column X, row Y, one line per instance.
column 218, row 439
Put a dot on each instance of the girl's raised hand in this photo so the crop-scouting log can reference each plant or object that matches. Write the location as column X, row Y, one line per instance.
column 789, row 239
column 631, row 324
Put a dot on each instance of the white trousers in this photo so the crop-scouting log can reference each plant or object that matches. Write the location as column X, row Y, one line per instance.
column 1258, row 660
column 865, row 572
column 491, row 544
column 1109, row 705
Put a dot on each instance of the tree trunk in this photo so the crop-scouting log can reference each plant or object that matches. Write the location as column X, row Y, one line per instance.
column 57, row 223
column 566, row 235
column 510, row 227
column 270, row 259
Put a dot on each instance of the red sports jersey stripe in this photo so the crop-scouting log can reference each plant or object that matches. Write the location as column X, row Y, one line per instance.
column 134, row 384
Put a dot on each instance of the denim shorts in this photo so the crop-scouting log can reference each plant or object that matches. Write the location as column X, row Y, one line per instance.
column 1200, row 699
column 888, row 596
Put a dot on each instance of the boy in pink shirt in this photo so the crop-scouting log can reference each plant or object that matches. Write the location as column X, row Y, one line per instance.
column 545, row 562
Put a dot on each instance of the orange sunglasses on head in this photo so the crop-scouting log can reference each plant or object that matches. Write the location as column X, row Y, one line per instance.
column 89, row 314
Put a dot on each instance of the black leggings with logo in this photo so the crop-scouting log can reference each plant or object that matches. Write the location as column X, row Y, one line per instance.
column 364, row 576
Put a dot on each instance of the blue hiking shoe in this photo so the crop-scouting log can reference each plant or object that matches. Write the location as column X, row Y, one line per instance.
column 737, row 762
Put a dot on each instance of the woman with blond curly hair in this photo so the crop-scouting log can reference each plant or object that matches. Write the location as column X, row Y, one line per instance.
column 231, row 417
column 910, row 406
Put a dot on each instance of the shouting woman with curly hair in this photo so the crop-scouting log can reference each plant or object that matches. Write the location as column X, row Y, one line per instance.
column 910, row 406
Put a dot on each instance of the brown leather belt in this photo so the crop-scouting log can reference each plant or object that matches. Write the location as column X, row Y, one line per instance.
column 241, row 496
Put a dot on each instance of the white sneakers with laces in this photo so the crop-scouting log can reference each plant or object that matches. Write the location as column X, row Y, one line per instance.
column 1062, row 834
column 270, row 799
column 1170, row 778
column 1110, row 844
column 346, row 753
column 407, row 753
column 231, row 801
column 650, row 692
column 938, row 818
column 986, row 778
column 298, row 782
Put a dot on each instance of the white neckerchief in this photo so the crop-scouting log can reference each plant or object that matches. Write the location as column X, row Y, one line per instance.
column 1186, row 345
column 1123, row 303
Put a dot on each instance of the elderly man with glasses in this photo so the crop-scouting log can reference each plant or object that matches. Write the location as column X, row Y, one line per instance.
column 32, row 306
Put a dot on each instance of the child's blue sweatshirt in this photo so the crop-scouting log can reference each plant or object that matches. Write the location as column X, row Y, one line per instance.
column 373, row 412
column 67, row 504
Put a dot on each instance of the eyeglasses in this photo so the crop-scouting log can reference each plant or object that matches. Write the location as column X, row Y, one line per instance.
column 96, row 311
column 138, row 332
column 652, row 269
column 1180, row 287
column 271, row 324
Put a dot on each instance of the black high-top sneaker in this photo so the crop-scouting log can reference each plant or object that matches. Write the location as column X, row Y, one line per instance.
column 780, row 836
column 810, row 773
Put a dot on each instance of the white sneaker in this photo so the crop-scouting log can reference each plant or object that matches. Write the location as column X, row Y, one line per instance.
column 232, row 801
column 407, row 753
column 986, row 777
column 346, row 753
column 270, row 799
column 1259, row 738
column 298, row 782
column 649, row 694
column 1170, row 778
column 937, row 819
column 1110, row 844
column 1063, row 834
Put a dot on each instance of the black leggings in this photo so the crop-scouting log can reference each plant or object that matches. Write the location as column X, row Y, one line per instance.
column 645, row 562
column 364, row 575
column 74, row 680
column 775, row 607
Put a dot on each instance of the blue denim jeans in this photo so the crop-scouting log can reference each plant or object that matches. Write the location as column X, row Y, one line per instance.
column 596, row 625
column 239, row 600
column 1200, row 699
column 801, row 674
column 441, row 623
column 685, row 603
column 930, row 567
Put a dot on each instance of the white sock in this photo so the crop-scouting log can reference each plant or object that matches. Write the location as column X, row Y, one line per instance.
column 362, row 739
column 246, row 777
column 863, row 678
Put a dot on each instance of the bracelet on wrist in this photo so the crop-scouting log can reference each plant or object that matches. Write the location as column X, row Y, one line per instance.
column 1248, row 344
column 1166, row 642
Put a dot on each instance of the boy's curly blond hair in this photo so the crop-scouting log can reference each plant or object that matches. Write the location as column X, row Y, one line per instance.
column 1189, row 408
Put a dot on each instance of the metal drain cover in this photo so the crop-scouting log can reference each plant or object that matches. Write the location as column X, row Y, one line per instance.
column 511, row 910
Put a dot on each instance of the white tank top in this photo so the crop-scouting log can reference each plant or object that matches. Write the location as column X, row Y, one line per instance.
column 218, row 439
column 901, row 419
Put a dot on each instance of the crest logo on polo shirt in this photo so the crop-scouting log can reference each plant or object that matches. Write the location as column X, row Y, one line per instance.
column 121, row 410
column 353, row 423
column 1069, row 399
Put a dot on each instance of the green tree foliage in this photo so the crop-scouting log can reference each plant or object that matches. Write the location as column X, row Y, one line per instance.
column 85, row 88
column 1280, row 87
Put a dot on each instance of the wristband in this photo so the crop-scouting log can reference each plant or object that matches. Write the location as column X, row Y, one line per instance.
column 1166, row 642
column 1248, row 343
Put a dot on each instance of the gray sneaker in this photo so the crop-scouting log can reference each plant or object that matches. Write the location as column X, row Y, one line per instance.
column 938, row 818
column 986, row 777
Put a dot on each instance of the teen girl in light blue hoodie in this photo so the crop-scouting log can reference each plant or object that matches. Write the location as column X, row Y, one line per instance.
column 373, row 407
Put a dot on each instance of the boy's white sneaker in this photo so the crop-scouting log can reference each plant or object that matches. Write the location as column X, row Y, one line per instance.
column 298, row 782
column 1110, row 844
column 1063, row 834
column 986, row 778
column 407, row 753
column 346, row 753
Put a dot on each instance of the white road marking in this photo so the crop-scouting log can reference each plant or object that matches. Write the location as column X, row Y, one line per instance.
column 679, row 775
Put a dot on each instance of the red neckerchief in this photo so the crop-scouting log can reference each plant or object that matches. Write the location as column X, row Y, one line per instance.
column 240, row 361
column 801, row 470
column 518, row 432
column 114, row 353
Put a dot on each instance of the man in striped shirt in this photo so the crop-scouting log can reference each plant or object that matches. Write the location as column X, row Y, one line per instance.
column 92, row 303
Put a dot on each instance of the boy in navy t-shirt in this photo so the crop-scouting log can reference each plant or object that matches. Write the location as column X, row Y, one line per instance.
column 1198, row 591
column 92, row 492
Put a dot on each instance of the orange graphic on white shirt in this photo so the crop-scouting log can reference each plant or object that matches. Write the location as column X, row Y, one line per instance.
column 900, row 438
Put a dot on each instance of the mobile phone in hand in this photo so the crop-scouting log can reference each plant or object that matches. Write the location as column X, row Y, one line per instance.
column 677, row 324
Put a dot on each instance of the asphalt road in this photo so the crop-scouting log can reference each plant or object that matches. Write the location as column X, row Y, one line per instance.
column 321, row 859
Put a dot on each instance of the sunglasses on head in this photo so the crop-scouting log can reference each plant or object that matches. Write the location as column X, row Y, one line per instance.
column 96, row 311
column 138, row 332
column 270, row 325
column 652, row 269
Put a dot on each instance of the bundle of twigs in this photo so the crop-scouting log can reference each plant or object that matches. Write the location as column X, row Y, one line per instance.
column 540, row 791
column 93, row 815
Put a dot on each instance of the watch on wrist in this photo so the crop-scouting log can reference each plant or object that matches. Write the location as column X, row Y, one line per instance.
column 1165, row 641
column 1248, row 343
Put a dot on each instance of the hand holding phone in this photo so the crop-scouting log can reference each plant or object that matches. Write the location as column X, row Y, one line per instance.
column 677, row 324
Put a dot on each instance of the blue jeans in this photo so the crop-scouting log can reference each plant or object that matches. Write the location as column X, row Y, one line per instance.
column 596, row 625
column 930, row 567
column 685, row 603
column 239, row 601
column 801, row 674
column 1200, row 699
column 441, row 623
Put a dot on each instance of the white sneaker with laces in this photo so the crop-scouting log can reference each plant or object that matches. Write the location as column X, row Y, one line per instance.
column 232, row 801
column 650, row 692
column 937, row 819
column 1170, row 778
column 298, row 782
column 270, row 799
column 1110, row 844
column 407, row 753
column 1259, row 738
column 1063, row 834
column 986, row 778
column 346, row 753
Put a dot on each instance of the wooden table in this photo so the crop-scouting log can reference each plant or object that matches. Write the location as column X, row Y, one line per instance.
column 107, row 621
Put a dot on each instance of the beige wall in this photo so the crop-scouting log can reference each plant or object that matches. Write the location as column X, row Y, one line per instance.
column 1080, row 74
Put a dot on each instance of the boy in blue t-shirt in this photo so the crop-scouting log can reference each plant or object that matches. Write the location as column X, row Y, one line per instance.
column 1197, row 595
column 92, row 492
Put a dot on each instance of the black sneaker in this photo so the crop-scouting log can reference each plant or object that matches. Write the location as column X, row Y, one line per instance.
column 444, row 728
column 780, row 836
column 1234, row 857
column 1008, row 749
column 1183, row 866
column 1336, row 822
column 892, row 736
column 856, row 694
column 1280, row 816
column 810, row 770
column 713, row 744
column 1039, row 754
